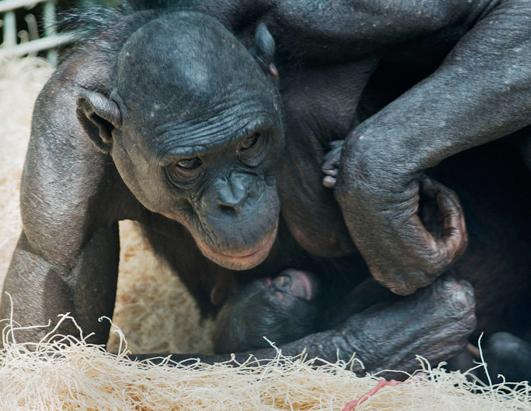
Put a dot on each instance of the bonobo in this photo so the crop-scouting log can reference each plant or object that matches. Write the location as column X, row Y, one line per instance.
column 286, row 308
column 208, row 123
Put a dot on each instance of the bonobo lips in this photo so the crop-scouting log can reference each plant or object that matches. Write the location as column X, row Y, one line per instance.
column 241, row 259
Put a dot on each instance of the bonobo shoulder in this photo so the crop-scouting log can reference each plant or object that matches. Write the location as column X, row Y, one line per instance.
column 65, row 179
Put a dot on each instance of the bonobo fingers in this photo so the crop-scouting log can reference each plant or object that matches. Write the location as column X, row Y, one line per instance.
column 407, row 238
column 331, row 163
column 454, row 239
column 434, row 323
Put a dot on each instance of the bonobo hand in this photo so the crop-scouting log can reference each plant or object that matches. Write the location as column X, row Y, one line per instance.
column 434, row 323
column 381, row 211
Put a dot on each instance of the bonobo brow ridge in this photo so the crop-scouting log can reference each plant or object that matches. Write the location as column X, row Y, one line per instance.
column 200, row 138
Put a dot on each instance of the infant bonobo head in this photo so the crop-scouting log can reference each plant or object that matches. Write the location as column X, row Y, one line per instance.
column 282, row 309
column 194, row 128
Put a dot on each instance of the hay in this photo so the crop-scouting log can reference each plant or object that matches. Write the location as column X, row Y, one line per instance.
column 66, row 373
column 157, row 314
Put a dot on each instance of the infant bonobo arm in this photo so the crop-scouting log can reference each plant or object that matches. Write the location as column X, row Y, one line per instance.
column 67, row 257
column 434, row 323
column 480, row 93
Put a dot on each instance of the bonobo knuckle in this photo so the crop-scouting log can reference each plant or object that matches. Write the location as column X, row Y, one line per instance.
column 457, row 295
column 403, row 290
column 410, row 283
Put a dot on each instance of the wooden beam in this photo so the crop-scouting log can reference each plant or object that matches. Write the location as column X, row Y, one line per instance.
column 35, row 46
column 7, row 5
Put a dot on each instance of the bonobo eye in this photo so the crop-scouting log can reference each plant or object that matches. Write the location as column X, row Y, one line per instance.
column 253, row 149
column 189, row 163
column 185, row 171
column 249, row 142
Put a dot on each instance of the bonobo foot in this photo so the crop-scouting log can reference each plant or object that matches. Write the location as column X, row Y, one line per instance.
column 282, row 309
column 434, row 323
column 509, row 356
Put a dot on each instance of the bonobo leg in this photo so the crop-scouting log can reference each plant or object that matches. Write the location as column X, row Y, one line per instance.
column 435, row 323
column 509, row 356
column 369, row 294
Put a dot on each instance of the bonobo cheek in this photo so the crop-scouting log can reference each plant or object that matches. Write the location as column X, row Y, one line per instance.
column 142, row 177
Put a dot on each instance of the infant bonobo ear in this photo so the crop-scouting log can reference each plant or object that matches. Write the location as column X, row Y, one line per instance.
column 264, row 50
column 98, row 116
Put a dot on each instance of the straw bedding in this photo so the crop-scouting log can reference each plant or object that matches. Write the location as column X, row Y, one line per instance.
column 156, row 314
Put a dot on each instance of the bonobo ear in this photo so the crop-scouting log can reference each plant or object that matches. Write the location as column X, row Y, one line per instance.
column 264, row 50
column 98, row 116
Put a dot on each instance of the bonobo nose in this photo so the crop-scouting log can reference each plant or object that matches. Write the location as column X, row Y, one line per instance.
column 233, row 192
column 232, row 202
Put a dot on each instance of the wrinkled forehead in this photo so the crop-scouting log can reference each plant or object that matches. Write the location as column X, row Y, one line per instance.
column 185, row 66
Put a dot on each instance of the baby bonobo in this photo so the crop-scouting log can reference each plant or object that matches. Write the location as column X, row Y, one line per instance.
column 282, row 309
column 286, row 308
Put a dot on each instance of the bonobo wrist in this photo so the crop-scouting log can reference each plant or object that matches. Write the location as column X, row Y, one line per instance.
column 372, row 174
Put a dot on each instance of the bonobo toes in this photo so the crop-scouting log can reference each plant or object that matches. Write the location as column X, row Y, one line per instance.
column 330, row 164
column 434, row 323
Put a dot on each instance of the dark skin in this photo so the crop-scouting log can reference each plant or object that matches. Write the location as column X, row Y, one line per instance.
column 288, row 307
column 283, row 309
column 197, row 156
column 499, row 227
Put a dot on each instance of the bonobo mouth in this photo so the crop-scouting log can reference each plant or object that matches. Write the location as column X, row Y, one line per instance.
column 244, row 259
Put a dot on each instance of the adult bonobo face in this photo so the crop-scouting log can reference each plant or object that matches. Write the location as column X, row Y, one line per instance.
column 194, row 128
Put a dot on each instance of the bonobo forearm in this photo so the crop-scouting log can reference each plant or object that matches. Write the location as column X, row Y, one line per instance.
column 481, row 92
column 33, row 285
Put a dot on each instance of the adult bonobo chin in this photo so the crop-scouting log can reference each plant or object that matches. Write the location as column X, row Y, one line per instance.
column 194, row 129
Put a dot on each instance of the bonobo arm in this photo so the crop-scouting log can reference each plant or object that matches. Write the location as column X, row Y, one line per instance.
column 434, row 323
column 67, row 257
column 480, row 93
